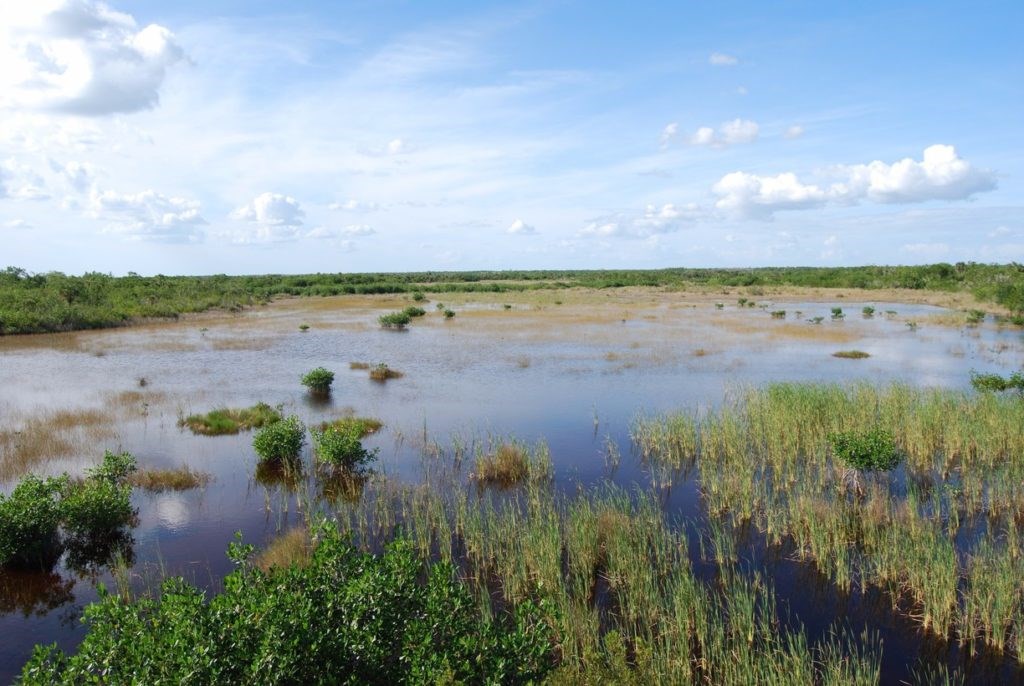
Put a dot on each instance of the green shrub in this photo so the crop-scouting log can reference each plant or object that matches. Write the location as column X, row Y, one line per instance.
column 975, row 317
column 869, row 451
column 116, row 467
column 340, row 446
column 95, row 509
column 394, row 320
column 448, row 314
column 303, row 327
column 280, row 441
column 837, row 313
column 867, row 312
column 418, row 296
column 779, row 314
column 29, row 521
column 318, row 380
column 994, row 383
column 346, row 617
column 414, row 311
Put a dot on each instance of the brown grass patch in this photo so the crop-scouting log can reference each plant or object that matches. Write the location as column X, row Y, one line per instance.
column 382, row 372
column 50, row 435
column 506, row 465
column 358, row 365
column 159, row 480
column 294, row 547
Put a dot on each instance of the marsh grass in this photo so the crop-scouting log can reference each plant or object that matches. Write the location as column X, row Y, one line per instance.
column 176, row 479
column 851, row 354
column 358, row 365
column 508, row 463
column 231, row 421
column 366, row 425
column 382, row 372
column 50, row 435
column 292, row 548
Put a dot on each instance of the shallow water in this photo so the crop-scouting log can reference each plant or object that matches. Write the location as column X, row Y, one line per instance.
column 573, row 375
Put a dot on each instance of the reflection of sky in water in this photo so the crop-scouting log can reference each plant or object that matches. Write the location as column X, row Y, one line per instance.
column 474, row 378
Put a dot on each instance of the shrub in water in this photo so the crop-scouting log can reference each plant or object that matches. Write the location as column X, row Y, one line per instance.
column 837, row 313
column 865, row 452
column 414, row 311
column 994, row 383
column 448, row 314
column 867, row 312
column 779, row 314
column 340, row 446
column 280, row 441
column 418, row 296
column 99, row 505
column 29, row 519
column 346, row 617
column 318, row 380
column 394, row 320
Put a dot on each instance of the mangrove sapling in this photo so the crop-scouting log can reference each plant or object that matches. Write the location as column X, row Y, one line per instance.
column 448, row 314
column 99, row 506
column 341, row 446
column 864, row 453
column 418, row 296
column 778, row 314
column 395, row 321
column 837, row 314
column 414, row 311
column 318, row 380
column 994, row 383
column 280, row 441
column 303, row 327
column 29, row 521
column 867, row 312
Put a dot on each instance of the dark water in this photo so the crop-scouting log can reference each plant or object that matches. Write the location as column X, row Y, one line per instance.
column 576, row 388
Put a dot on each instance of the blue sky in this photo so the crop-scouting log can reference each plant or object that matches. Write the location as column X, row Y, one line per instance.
column 246, row 137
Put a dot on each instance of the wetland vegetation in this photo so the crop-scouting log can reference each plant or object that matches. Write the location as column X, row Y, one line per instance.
column 576, row 541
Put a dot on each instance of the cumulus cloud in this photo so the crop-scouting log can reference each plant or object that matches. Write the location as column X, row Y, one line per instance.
column 720, row 59
column 520, row 228
column 20, row 182
column 81, row 57
column 148, row 216
column 668, row 133
column 271, row 217
column 729, row 133
column 396, row 147
column 78, row 175
column 652, row 221
column 794, row 131
column 940, row 175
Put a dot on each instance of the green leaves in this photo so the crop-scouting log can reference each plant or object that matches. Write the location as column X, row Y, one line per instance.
column 347, row 617
column 868, row 451
column 340, row 446
column 318, row 380
column 280, row 441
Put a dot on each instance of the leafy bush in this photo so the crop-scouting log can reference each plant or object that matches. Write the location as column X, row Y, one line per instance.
column 394, row 320
column 345, row 617
column 994, row 383
column 867, row 312
column 303, row 327
column 340, row 446
column 778, row 314
column 418, row 296
column 95, row 508
column 414, row 311
column 116, row 467
column 29, row 521
column 318, row 380
column 281, row 440
column 837, row 313
column 868, row 451
column 448, row 314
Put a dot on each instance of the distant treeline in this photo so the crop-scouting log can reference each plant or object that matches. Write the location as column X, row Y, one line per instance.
column 54, row 301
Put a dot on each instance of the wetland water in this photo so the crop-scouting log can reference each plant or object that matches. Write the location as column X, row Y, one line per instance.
column 574, row 375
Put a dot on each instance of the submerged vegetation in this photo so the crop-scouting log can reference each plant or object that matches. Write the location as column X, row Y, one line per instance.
column 58, row 302
column 231, row 421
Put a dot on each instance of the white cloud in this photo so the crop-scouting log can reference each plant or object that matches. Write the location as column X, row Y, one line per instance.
column 80, row 57
column 17, row 224
column 78, row 175
column 794, row 131
column 651, row 222
column 999, row 231
column 148, row 216
column 668, row 133
column 271, row 217
column 396, row 147
column 729, row 133
column 19, row 182
column 358, row 230
column 353, row 205
column 520, row 228
column 940, row 175
column 720, row 59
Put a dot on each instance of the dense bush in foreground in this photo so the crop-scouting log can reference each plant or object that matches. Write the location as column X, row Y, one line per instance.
column 280, row 441
column 345, row 618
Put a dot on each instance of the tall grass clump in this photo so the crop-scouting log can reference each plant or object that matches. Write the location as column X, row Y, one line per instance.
column 382, row 372
column 280, row 441
column 318, row 380
column 230, row 421
column 511, row 462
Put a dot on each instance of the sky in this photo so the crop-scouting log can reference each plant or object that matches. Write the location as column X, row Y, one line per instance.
column 267, row 137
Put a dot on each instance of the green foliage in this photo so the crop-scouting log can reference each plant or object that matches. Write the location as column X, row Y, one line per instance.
column 318, row 380
column 58, row 302
column 303, row 327
column 851, row 354
column 280, row 441
column 414, row 311
column 867, row 451
column 448, row 314
column 418, row 296
column 394, row 320
column 975, row 317
column 867, row 312
column 996, row 383
column 340, row 446
column 347, row 617
column 115, row 468
column 29, row 521
column 778, row 314
column 837, row 313
column 230, row 421
column 95, row 508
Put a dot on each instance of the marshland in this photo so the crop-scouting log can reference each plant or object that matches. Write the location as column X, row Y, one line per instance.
column 605, row 478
